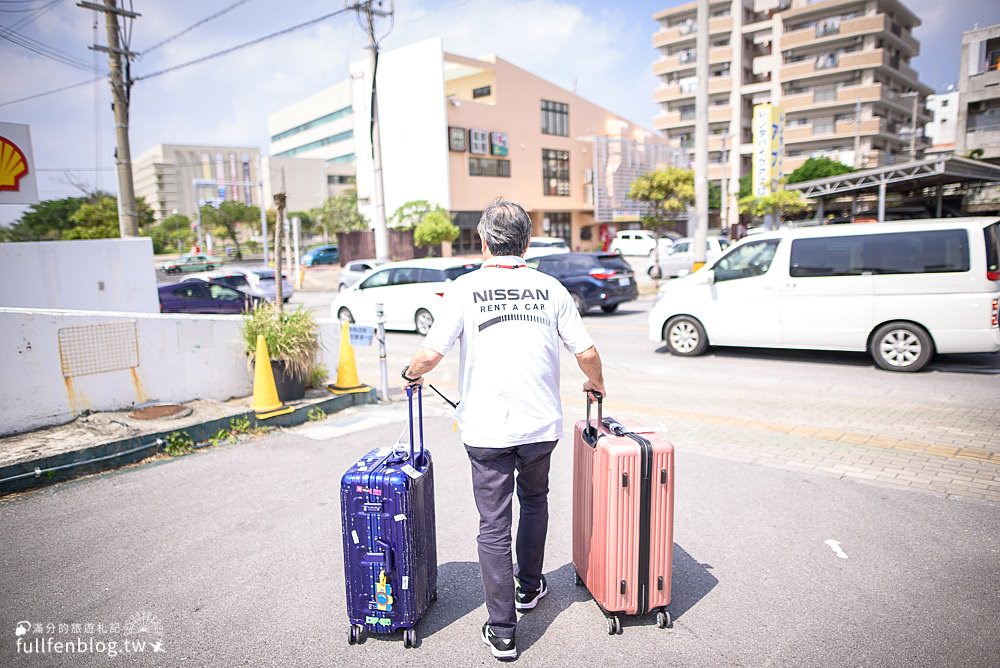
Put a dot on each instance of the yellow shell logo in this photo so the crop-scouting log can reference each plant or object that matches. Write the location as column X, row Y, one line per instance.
column 13, row 165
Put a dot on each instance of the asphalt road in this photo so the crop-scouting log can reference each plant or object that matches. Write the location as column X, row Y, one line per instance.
column 237, row 553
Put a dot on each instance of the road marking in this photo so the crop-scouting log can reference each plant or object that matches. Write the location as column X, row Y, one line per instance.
column 835, row 546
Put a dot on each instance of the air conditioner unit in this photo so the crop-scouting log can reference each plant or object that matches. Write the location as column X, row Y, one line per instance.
column 588, row 176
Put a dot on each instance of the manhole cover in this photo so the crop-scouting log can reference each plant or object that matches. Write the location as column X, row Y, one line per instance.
column 160, row 412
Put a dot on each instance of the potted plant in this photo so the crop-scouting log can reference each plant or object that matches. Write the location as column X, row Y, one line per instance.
column 293, row 344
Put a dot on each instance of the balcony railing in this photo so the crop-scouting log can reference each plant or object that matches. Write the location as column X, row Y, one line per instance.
column 686, row 57
column 825, row 28
column 826, row 61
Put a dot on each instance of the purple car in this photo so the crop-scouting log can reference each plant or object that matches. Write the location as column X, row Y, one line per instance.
column 203, row 297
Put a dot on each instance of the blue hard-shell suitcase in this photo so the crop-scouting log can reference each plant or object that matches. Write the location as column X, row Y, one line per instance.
column 390, row 549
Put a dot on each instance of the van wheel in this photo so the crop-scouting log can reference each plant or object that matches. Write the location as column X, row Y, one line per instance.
column 901, row 346
column 345, row 314
column 685, row 336
column 423, row 320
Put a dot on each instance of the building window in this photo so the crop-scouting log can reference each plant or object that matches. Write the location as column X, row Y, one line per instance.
column 555, row 118
column 468, row 241
column 340, row 113
column 339, row 179
column 555, row 172
column 479, row 141
column 485, row 91
column 319, row 143
column 489, row 167
column 560, row 226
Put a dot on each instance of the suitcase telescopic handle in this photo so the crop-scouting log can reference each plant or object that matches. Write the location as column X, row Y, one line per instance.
column 590, row 432
column 420, row 421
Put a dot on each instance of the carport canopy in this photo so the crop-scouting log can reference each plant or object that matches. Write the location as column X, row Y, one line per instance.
column 937, row 172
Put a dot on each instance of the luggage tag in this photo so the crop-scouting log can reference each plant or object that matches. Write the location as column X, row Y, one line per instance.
column 383, row 594
column 410, row 471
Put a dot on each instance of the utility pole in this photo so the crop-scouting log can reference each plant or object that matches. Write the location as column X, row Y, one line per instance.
column 857, row 133
column 724, row 184
column 121, row 85
column 701, row 138
column 367, row 10
column 913, row 122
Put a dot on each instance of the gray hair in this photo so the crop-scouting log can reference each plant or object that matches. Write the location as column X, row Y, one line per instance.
column 505, row 227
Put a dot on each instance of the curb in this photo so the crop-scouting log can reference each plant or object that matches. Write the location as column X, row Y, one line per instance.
column 106, row 456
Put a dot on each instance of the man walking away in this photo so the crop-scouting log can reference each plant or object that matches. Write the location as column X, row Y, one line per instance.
column 510, row 321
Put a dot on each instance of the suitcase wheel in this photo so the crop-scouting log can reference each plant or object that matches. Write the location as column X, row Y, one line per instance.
column 409, row 638
column 614, row 626
column 663, row 620
column 354, row 634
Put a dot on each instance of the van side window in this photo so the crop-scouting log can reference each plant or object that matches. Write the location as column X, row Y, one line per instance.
column 992, row 238
column 930, row 252
column 750, row 259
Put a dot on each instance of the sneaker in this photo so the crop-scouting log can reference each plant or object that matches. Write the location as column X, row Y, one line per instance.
column 502, row 648
column 526, row 600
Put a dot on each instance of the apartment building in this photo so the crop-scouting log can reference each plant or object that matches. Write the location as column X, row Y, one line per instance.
column 173, row 177
column 978, row 125
column 460, row 131
column 840, row 70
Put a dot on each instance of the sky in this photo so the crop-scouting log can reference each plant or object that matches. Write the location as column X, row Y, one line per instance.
column 602, row 49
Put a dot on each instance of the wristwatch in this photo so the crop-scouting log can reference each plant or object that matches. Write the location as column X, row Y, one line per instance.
column 407, row 378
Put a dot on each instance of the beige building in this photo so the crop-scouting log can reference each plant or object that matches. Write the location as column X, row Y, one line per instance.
column 173, row 176
column 820, row 61
column 978, row 125
column 461, row 131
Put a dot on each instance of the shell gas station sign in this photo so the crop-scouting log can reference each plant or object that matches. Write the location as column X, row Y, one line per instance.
column 17, row 167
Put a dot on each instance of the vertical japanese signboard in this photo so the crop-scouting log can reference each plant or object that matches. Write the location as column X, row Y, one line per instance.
column 17, row 166
column 768, row 149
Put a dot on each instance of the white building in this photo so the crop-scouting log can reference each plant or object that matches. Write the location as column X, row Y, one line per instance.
column 319, row 126
column 943, row 108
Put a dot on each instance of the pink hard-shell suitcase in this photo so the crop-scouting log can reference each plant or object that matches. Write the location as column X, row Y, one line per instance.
column 623, row 516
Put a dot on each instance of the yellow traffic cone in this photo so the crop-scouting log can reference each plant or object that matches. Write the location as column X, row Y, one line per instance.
column 347, row 368
column 266, row 403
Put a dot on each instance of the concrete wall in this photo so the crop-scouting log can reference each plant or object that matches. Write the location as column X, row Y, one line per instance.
column 98, row 274
column 181, row 358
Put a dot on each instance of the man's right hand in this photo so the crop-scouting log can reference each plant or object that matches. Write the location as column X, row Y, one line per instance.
column 595, row 390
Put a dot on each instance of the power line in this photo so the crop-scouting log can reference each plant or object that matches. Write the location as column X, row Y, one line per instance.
column 195, row 25
column 42, row 49
column 245, row 44
column 50, row 92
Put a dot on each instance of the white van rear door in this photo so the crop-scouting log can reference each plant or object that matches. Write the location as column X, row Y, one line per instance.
column 827, row 299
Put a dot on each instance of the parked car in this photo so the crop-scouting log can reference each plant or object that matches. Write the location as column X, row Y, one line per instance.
column 900, row 291
column 593, row 279
column 640, row 242
column 355, row 269
column 200, row 296
column 328, row 254
column 410, row 292
column 539, row 246
column 191, row 262
column 678, row 259
column 256, row 282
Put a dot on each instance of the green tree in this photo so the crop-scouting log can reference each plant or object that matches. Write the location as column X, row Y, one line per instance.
column 411, row 214
column 307, row 222
column 171, row 232
column 340, row 214
column 45, row 221
column 98, row 219
column 746, row 186
column 435, row 228
column 225, row 220
column 818, row 168
column 668, row 192
column 779, row 204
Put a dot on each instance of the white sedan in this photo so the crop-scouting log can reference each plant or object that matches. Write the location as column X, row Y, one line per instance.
column 409, row 291
column 678, row 259
column 539, row 246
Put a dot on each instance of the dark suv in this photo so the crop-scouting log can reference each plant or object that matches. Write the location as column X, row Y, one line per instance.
column 593, row 279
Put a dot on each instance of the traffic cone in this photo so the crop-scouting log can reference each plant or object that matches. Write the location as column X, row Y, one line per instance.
column 266, row 403
column 347, row 368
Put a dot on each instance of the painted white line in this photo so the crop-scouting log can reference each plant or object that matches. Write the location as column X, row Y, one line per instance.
column 835, row 546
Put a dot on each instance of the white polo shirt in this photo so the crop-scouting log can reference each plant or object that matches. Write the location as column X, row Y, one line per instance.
column 510, row 320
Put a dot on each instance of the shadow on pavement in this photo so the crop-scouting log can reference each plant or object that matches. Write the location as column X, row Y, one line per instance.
column 533, row 624
column 460, row 591
column 691, row 581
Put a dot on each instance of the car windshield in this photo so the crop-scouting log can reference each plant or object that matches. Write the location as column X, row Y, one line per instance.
column 614, row 261
column 547, row 243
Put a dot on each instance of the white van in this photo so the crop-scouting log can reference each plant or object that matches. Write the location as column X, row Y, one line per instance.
column 901, row 291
